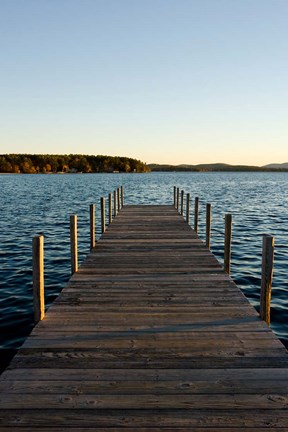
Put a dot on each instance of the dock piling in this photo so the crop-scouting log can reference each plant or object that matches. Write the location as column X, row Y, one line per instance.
column 115, row 203
column 73, row 244
column 38, row 277
column 196, row 212
column 122, row 196
column 110, row 207
column 227, row 243
column 103, row 214
column 182, row 202
column 118, row 200
column 174, row 196
column 188, row 208
column 208, row 225
column 267, row 275
column 92, row 226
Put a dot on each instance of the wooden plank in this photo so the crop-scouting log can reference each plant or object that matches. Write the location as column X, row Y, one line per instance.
column 145, row 418
column 150, row 340
column 213, row 376
column 168, row 388
column 94, row 401
column 142, row 429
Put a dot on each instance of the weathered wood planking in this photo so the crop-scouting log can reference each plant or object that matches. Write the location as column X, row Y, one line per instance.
column 149, row 335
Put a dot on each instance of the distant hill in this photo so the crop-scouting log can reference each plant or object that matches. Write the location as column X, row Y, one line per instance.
column 277, row 165
column 216, row 167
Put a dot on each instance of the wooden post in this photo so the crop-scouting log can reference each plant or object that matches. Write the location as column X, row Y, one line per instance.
column 103, row 215
column 38, row 277
column 267, row 275
column 122, row 196
column 177, row 198
column 92, row 226
column 115, row 203
column 188, row 208
column 182, row 202
column 208, row 225
column 196, row 211
column 118, row 199
column 110, row 207
column 73, row 244
column 227, row 243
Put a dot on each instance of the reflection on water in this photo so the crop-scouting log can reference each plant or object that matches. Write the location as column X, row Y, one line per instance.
column 41, row 204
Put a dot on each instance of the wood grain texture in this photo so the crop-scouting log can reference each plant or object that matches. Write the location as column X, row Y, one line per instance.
column 149, row 335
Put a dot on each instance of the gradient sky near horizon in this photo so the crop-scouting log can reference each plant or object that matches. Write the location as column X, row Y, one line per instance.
column 164, row 81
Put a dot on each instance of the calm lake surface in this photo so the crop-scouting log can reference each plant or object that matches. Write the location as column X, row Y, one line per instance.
column 42, row 204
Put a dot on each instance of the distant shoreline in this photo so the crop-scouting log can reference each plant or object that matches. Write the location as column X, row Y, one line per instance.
column 218, row 167
column 156, row 171
column 82, row 164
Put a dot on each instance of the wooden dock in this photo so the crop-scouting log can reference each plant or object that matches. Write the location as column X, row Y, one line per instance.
column 149, row 335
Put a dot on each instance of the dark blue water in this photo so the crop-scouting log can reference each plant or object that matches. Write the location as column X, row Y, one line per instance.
column 42, row 204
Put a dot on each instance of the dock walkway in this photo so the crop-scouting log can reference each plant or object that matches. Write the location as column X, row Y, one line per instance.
column 149, row 335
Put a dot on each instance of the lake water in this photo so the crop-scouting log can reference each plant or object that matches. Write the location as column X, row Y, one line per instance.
column 42, row 204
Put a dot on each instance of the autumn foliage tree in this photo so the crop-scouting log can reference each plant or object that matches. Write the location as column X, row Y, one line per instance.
column 34, row 163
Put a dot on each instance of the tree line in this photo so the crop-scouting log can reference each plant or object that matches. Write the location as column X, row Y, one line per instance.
column 72, row 163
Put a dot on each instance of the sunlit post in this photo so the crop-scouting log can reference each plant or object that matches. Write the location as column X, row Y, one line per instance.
column 110, row 207
column 73, row 244
column 188, row 208
column 92, row 226
column 115, row 203
column 208, row 225
column 175, row 196
column 122, row 196
column 267, row 275
column 196, row 212
column 38, row 277
column 227, row 244
column 103, row 215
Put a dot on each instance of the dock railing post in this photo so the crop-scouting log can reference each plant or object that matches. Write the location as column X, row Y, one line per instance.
column 103, row 214
column 122, row 196
column 182, row 202
column 174, row 196
column 227, row 243
column 177, row 198
column 118, row 199
column 110, row 207
column 38, row 277
column 196, row 212
column 92, row 226
column 188, row 208
column 208, row 225
column 73, row 244
column 267, row 275
column 115, row 203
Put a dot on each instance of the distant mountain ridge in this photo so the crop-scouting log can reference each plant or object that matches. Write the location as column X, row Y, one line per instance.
column 217, row 167
column 277, row 165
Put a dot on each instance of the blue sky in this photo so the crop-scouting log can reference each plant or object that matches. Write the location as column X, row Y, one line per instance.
column 165, row 81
